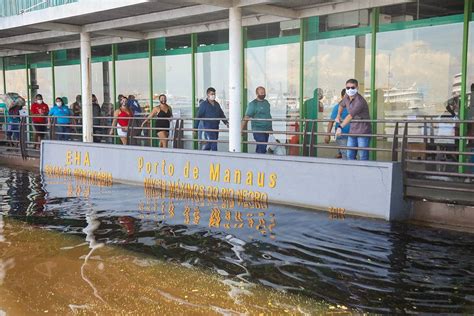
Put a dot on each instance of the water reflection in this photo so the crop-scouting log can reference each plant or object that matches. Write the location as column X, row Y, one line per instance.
column 367, row 265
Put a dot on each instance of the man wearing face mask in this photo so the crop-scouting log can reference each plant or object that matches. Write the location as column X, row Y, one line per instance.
column 210, row 109
column 39, row 110
column 358, row 110
column 259, row 109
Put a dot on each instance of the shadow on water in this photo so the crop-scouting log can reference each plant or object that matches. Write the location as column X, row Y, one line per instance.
column 367, row 265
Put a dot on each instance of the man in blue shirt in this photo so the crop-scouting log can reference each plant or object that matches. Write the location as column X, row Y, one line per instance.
column 210, row 109
column 342, row 139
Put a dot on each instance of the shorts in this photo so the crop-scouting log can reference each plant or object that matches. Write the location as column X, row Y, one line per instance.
column 120, row 132
column 39, row 128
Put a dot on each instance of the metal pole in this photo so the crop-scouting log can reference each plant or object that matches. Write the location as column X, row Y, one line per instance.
column 193, row 81
column 53, row 78
column 301, row 83
column 373, row 91
column 464, row 100
column 87, row 126
column 235, row 79
column 4, row 78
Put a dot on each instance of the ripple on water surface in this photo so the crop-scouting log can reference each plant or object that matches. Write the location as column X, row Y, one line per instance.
column 268, row 257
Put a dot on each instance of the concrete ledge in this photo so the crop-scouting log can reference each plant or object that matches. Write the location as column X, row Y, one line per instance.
column 442, row 215
column 15, row 160
column 372, row 189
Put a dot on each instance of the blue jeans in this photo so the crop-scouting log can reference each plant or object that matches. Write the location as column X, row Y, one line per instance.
column 342, row 141
column 261, row 137
column 59, row 132
column 358, row 141
column 211, row 145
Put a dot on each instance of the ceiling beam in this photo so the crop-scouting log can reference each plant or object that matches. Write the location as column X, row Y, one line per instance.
column 53, row 26
column 274, row 10
column 167, row 15
column 28, row 47
column 4, row 52
column 123, row 34
column 32, row 37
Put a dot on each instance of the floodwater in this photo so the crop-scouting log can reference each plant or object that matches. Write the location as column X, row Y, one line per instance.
column 72, row 247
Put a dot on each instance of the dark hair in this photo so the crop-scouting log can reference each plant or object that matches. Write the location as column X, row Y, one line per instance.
column 39, row 96
column 162, row 95
column 354, row 81
column 210, row 89
column 59, row 98
column 343, row 92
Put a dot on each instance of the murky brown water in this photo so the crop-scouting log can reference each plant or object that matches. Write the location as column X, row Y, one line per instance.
column 74, row 247
column 45, row 272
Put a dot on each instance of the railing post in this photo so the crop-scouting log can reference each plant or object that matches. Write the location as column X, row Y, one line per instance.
column 23, row 136
column 312, row 151
column 175, row 134
column 305, row 136
column 395, row 143
column 403, row 159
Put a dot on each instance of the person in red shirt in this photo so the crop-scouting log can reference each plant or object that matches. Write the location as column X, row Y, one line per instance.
column 39, row 111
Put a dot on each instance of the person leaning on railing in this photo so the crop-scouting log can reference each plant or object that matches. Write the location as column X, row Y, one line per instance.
column 358, row 110
column 63, row 114
column 13, row 127
column 342, row 139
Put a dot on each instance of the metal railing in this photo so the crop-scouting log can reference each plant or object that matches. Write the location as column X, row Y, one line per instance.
column 428, row 149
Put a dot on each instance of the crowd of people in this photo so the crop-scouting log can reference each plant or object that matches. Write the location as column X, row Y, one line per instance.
column 68, row 120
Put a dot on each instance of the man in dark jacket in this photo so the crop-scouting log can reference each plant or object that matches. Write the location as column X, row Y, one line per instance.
column 211, row 109
column 96, row 114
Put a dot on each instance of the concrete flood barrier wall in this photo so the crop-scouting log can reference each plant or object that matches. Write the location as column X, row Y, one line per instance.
column 372, row 189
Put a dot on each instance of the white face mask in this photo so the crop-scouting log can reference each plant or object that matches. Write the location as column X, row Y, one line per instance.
column 39, row 101
column 59, row 103
column 351, row 92
column 212, row 97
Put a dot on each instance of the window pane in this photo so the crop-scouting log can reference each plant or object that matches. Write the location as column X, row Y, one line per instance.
column 172, row 75
column 15, row 75
column 102, row 77
column 417, row 70
column 328, row 64
column 421, row 9
column 68, row 82
column 277, row 69
column 41, row 77
column 132, row 71
column 67, row 73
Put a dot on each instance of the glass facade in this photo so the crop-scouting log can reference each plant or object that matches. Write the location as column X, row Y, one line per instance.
column 16, row 75
column 172, row 66
column 41, row 76
column 418, row 70
column 102, row 75
column 67, row 74
column 274, row 63
column 407, row 58
column 132, row 72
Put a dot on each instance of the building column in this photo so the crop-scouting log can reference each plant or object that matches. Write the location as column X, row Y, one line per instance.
column 235, row 75
column 86, row 90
